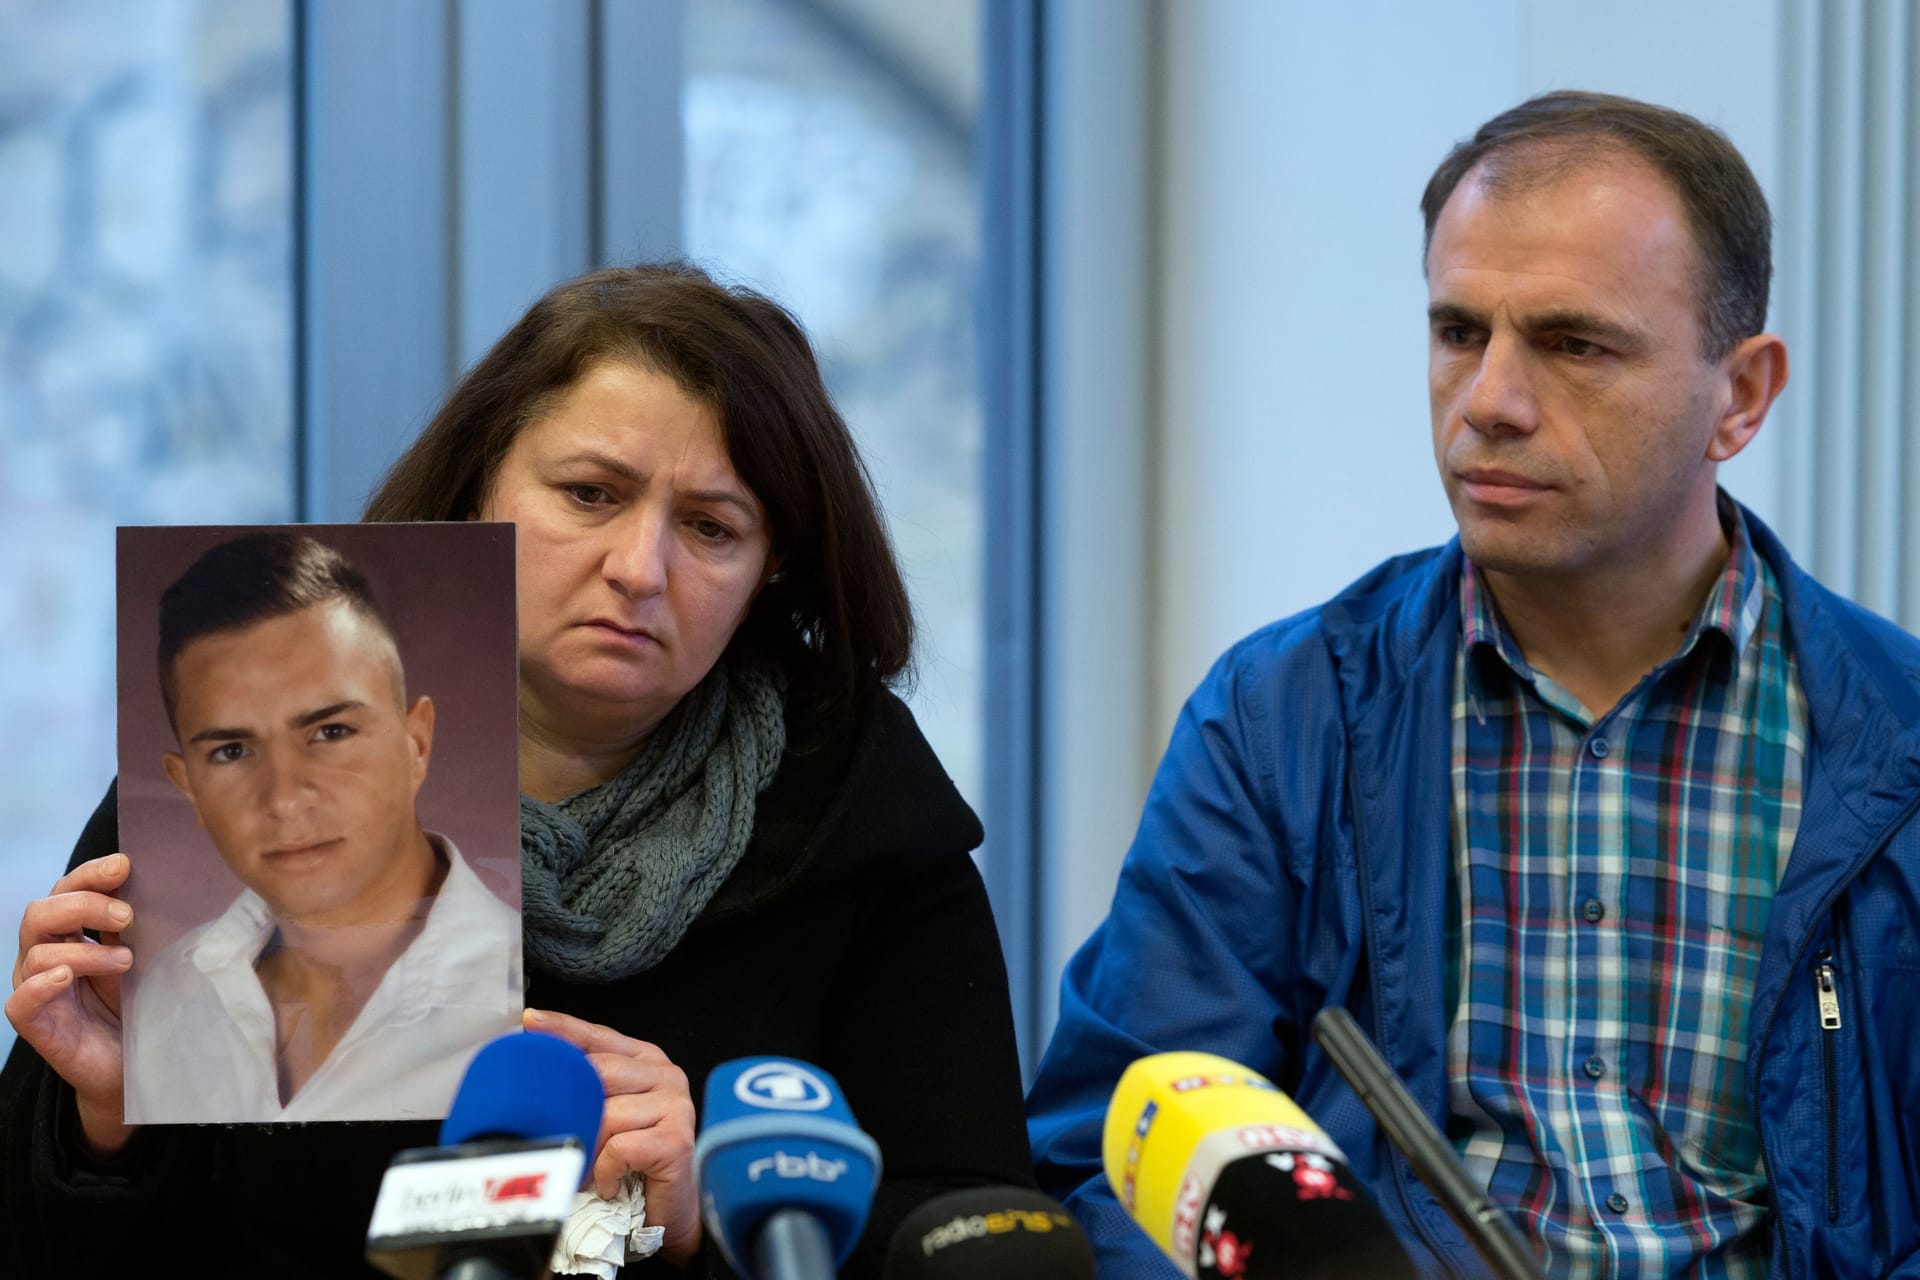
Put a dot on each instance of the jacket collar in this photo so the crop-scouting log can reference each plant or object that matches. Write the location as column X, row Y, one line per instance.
column 1394, row 632
column 1859, row 672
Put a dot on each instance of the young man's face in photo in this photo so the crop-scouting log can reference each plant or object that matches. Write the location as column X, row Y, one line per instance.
column 300, row 759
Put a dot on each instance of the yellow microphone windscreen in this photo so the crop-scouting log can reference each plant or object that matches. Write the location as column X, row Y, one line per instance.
column 1175, row 1120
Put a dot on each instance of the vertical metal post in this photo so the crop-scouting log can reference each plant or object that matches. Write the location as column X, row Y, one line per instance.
column 1011, row 361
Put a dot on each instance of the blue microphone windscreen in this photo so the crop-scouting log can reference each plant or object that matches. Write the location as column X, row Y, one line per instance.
column 771, row 1086
column 527, row 1085
column 776, row 1135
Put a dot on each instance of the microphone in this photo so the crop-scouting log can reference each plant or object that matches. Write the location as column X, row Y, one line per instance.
column 1007, row 1233
column 487, row 1203
column 786, row 1176
column 1231, row 1179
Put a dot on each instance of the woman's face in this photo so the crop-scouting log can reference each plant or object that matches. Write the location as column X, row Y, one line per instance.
column 640, row 551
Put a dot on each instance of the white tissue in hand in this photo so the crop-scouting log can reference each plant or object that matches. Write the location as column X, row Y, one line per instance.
column 602, row 1234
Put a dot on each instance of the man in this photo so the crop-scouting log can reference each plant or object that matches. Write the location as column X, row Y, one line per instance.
column 1599, row 819
column 365, row 961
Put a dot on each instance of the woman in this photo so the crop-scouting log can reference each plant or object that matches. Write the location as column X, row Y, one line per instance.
column 735, row 839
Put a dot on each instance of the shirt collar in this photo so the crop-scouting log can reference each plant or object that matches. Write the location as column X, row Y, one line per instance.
column 453, row 960
column 1732, row 607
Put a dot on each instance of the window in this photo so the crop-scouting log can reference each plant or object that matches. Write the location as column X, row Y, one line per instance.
column 830, row 163
column 146, row 346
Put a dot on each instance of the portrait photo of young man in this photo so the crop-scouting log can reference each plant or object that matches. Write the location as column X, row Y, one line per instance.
column 363, row 958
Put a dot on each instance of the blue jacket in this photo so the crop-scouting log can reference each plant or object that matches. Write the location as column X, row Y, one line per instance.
column 1293, row 854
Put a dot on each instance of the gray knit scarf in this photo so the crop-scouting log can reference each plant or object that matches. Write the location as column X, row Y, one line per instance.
column 612, row 877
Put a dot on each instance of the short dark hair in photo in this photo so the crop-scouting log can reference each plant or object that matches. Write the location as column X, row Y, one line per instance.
column 1549, row 136
column 836, row 616
column 249, row 579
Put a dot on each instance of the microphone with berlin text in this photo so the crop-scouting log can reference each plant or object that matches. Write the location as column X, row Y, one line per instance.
column 488, row 1202
column 1007, row 1233
column 786, row 1176
column 1232, row 1179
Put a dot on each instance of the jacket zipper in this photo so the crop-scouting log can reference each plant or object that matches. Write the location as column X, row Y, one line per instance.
column 1828, row 994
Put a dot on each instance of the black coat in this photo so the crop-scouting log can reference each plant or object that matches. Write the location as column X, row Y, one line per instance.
column 854, row 934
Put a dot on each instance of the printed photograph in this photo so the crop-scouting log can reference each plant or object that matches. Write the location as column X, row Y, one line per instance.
column 319, row 791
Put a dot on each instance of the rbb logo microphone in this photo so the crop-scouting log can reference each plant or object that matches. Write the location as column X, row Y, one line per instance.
column 1008, row 1233
column 493, row 1196
column 786, row 1176
column 1232, row 1179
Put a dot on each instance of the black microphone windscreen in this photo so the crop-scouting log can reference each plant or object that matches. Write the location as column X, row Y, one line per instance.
column 999, row 1233
column 1295, row 1216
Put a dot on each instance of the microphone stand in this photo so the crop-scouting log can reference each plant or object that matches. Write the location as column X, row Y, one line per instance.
column 477, row 1269
column 792, row 1245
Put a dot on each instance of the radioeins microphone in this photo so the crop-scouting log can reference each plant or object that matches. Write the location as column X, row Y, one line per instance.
column 786, row 1176
column 1231, row 1179
column 487, row 1203
column 1005, row 1233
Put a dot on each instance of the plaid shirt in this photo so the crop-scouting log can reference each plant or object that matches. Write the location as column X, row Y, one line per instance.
column 1613, row 881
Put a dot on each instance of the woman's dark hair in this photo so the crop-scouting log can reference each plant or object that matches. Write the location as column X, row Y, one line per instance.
column 1548, row 136
column 836, row 615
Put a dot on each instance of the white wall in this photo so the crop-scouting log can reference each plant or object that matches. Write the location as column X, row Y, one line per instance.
column 1292, row 441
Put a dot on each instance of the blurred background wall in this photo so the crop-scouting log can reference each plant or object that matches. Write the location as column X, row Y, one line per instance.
column 1122, row 298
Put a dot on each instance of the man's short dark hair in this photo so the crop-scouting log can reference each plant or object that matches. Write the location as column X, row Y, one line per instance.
column 249, row 579
column 1547, row 137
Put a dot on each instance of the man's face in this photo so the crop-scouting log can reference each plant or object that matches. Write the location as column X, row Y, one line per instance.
column 1573, row 413
column 300, row 761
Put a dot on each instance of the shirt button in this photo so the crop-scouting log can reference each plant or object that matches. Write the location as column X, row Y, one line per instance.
column 1595, row 1068
column 1599, row 747
column 1593, row 910
column 1617, row 1202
